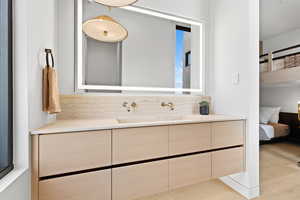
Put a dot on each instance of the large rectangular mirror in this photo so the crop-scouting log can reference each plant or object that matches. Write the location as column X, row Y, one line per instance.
column 162, row 53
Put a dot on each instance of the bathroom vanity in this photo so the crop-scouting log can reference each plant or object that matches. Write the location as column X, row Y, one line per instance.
column 140, row 133
column 124, row 159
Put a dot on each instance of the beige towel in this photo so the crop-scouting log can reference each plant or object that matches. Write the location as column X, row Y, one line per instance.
column 51, row 103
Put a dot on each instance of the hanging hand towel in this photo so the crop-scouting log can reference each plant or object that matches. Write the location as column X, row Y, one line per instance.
column 51, row 102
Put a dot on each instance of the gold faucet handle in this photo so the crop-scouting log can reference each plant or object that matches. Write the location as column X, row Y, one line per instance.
column 128, row 107
column 170, row 105
column 125, row 104
column 134, row 105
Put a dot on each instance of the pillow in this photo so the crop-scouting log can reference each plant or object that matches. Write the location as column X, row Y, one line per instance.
column 265, row 114
column 275, row 116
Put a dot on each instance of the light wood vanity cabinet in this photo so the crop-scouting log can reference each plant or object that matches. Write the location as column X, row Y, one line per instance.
column 189, row 138
column 226, row 134
column 189, row 170
column 89, row 186
column 226, row 162
column 63, row 153
column 136, row 144
column 125, row 164
column 141, row 180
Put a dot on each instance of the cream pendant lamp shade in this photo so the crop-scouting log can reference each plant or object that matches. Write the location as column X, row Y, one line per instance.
column 105, row 29
column 116, row 3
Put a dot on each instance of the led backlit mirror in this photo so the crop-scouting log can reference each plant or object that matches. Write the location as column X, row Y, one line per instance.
column 162, row 53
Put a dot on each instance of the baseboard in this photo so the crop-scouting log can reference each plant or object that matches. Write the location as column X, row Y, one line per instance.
column 249, row 193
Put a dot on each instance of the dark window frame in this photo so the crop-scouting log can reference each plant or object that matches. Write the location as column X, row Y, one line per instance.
column 187, row 59
column 183, row 28
column 8, row 26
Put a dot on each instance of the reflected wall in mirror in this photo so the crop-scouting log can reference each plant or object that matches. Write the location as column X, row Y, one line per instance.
column 161, row 53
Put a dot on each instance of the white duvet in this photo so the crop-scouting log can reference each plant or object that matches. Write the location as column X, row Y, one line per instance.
column 266, row 132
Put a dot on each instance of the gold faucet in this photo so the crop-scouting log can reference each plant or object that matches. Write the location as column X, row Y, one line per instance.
column 129, row 107
column 170, row 105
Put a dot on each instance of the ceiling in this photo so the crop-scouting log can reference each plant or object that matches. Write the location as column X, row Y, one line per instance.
column 278, row 16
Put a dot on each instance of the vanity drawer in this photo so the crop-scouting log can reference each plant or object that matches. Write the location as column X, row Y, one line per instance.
column 189, row 170
column 90, row 186
column 70, row 152
column 225, row 134
column 227, row 162
column 190, row 138
column 138, row 181
column 136, row 144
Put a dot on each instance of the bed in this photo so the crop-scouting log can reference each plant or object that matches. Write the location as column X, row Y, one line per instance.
column 272, row 126
column 270, row 131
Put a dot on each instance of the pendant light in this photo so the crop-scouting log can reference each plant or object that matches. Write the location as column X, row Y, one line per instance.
column 116, row 3
column 105, row 29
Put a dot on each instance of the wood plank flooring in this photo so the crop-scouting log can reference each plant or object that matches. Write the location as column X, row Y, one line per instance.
column 279, row 176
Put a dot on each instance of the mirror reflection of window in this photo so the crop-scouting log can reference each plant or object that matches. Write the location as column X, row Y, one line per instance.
column 183, row 57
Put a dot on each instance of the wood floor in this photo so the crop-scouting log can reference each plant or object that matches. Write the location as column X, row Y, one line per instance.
column 279, row 176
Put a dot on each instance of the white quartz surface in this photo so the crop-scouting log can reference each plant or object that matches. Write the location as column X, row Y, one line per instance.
column 66, row 126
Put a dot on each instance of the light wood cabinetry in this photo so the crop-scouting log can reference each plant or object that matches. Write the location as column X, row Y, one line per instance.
column 140, row 144
column 130, row 163
column 189, row 170
column 137, row 181
column 226, row 134
column 62, row 153
column 190, row 138
column 89, row 186
column 35, row 167
column 227, row 162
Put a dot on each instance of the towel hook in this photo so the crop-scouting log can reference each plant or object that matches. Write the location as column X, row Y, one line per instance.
column 49, row 51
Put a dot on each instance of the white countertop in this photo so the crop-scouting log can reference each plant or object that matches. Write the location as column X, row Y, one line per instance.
column 65, row 126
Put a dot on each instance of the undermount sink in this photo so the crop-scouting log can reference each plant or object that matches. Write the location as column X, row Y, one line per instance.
column 157, row 119
column 148, row 119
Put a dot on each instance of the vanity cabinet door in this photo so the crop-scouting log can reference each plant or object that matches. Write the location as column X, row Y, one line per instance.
column 190, row 138
column 189, row 170
column 227, row 162
column 225, row 134
column 141, row 180
column 136, row 144
column 70, row 152
column 88, row 186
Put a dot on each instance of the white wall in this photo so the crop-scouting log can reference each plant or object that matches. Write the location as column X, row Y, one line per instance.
column 19, row 190
column 148, row 52
column 284, row 96
column 101, row 63
column 281, row 41
column 287, row 97
column 278, row 17
column 235, row 39
column 34, row 30
column 42, row 34
column 66, row 46
column 195, row 9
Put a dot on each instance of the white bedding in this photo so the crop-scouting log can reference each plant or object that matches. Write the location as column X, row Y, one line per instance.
column 266, row 132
